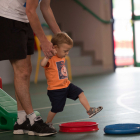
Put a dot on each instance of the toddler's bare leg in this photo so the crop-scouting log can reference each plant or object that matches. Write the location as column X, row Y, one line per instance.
column 50, row 117
column 84, row 101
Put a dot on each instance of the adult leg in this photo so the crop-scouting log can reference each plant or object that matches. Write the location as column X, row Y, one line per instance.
column 19, row 106
column 22, row 71
column 20, row 112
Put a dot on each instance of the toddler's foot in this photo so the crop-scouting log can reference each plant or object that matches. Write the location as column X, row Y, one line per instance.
column 93, row 111
column 51, row 126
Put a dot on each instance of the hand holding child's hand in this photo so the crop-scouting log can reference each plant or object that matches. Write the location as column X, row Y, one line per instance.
column 48, row 50
column 54, row 52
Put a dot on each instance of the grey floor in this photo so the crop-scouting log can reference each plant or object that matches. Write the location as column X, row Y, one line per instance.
column 118, row 93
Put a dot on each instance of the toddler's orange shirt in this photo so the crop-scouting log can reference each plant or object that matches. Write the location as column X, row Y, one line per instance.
column 56, row 73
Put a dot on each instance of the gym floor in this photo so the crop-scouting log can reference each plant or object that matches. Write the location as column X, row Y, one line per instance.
column 117, row 92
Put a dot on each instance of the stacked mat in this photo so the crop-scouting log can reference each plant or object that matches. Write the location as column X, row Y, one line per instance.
column 8, row 111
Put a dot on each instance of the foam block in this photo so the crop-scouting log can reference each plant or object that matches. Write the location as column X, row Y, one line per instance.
column 8, row 111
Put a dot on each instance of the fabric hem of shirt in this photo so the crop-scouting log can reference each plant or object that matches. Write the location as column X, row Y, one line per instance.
column 14, row 18
column 58, row 87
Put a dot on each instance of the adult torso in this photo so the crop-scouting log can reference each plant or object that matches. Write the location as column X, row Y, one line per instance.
column 14, row 9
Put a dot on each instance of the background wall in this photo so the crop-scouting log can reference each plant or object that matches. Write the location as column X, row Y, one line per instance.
column 83, row 27
column 95, row 35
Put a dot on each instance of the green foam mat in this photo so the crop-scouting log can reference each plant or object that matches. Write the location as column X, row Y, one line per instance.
column 8, row 111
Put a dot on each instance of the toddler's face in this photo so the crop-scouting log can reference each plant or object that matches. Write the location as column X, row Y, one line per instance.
column 63, row 50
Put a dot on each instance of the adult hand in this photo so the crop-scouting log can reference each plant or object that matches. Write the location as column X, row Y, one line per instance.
column 48, row 50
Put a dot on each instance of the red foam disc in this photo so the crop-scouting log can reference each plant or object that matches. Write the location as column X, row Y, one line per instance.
column 0, row 83
column 78, row 127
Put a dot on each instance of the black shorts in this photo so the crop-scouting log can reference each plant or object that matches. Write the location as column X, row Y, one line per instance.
column 58, row 97
column 16, row 39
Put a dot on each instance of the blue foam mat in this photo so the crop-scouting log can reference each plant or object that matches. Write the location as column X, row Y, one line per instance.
column 126, row 128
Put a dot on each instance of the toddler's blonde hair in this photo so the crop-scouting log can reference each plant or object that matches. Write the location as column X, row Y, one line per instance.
column 61, row 38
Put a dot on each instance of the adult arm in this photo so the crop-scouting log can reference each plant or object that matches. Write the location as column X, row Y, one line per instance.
column 46, row 46
column 49, row 16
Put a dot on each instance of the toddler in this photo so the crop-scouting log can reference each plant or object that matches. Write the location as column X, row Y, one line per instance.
column 59, row 87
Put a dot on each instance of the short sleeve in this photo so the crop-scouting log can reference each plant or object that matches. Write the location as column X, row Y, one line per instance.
column 47, row 65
